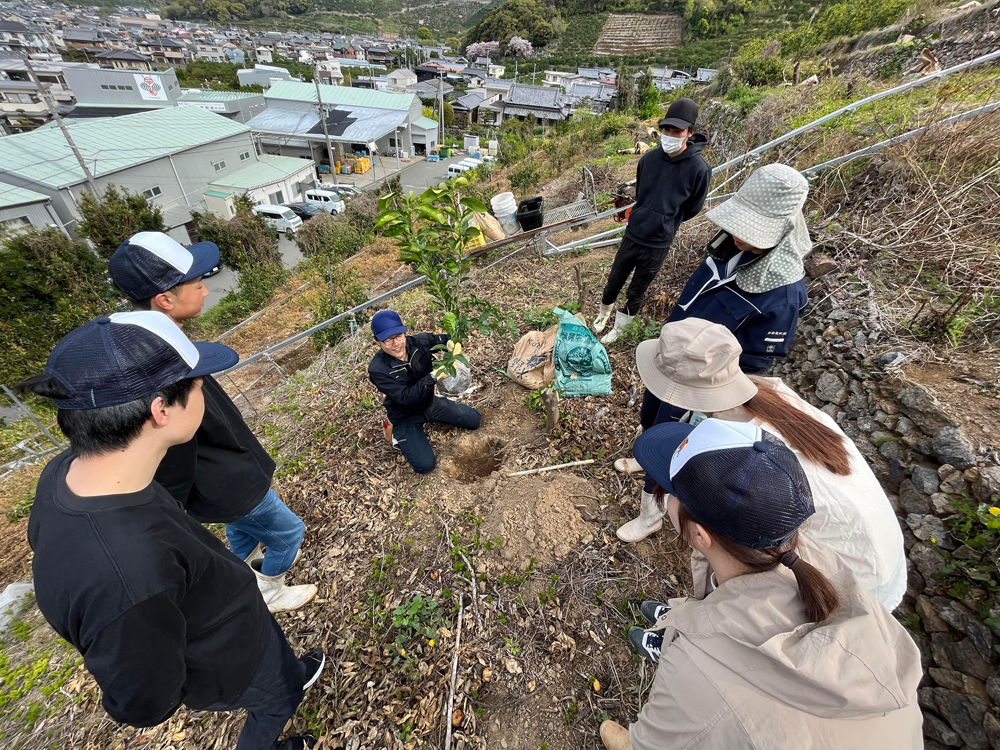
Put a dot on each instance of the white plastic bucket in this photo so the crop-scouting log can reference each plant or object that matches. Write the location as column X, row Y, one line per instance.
column 503, row 203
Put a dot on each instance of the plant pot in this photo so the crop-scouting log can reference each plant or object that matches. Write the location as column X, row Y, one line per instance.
column 457, row 385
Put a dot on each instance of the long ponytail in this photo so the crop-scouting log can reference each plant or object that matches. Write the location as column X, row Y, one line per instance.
column 819, row 597
column 817, row 442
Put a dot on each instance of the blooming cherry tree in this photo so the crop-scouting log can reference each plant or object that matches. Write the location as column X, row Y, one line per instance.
column 519, row 46
column 483, row 49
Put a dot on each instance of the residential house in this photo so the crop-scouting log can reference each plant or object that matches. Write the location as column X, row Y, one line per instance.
column 50, row 73
column 240, row 106
column 375, row 83
column 668, row 79
column 210, row 53
column 234, row 54
column 400, row 79
column 358, row 120
column 380, row 56
column 124, row 60
column 21, row 106
column 593, row 96
column 329, row 72
column 344, row 49
column 466, row 108
column 23, row 39
column 164, row 51
column 546, row 104
column 430, row 90
column 21, row 210
column 556, row 78
column 170, row 155
column 84, row 38
column 263, row 75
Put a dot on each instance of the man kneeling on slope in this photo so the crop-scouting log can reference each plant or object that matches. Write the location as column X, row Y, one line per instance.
column 405, row 371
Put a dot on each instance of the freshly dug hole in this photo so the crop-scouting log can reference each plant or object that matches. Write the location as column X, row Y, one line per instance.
column 476, row 456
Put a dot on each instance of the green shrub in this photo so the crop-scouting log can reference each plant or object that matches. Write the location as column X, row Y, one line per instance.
column 112, row 217
column 525, row 177
column 51, row 284
column 744, row 97
column 758, row 63
column 346, row 290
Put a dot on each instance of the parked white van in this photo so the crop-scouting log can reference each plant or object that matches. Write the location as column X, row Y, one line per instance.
column 281, row 218
column 472, row 163
column 328, row 200
column 454, row 170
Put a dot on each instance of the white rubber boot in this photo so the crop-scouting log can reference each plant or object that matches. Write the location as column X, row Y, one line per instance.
column 650, row 520
column 281, row 598
column 257, row 556
column 603, row 313
column 621, row 320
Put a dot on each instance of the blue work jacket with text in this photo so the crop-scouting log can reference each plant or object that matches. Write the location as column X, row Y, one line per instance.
column 763, row 323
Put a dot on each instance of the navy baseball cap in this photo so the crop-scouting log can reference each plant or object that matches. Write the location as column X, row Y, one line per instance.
column 734, row 478
column 149, row 263
column 126, row 356
column 386, row 323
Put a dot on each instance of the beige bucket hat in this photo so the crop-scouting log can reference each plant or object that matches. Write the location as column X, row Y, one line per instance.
column 695, row 364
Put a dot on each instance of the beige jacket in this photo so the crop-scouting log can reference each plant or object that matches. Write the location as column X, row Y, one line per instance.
column 743, row 670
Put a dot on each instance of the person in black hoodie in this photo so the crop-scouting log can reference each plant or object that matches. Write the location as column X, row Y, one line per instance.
column 671, row 183
column 404, row 372
column 222, row 475
column 163, row 614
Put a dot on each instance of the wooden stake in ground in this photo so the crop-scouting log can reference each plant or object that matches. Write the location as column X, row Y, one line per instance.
column 582, row 287
column 550, row 399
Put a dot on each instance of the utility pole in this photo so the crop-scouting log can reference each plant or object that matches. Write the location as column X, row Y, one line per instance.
column 54, row 111
column 441, row 106
column 326, row 130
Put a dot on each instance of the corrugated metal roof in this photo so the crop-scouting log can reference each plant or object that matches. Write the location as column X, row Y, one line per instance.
column 214, row 96
column 344, row 96
column 425, row 123
column 268, row 170
column 346, row 124
column 110, row 145
column 18, row 196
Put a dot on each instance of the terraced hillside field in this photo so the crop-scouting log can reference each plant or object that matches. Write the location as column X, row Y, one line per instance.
column 629, row 34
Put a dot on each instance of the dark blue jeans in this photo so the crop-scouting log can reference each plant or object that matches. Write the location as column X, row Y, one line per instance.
column 412, row 441
column 272, row 524
column 273, row 696
column 653, row 412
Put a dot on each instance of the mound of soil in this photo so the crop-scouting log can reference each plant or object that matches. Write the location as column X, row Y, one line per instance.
column 538, row 517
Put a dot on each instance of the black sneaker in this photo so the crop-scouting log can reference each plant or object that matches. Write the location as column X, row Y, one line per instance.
column 312, row 664
column 646, row 643
column 302, row 742
column 652, row 610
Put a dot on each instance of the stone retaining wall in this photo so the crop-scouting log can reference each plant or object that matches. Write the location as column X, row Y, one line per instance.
column 924, row 461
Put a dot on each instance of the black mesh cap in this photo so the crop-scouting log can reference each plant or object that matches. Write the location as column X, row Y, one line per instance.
column 734, row 478
column 127, row 356
column 149, row 263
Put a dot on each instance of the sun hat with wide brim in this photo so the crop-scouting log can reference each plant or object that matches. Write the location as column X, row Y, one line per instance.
column 695, row 365
column 762, row 210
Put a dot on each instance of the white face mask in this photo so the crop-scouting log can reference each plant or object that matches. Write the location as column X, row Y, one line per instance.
column 670, row 144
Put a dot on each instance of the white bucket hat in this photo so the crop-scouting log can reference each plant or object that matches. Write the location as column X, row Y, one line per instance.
column 766, row 212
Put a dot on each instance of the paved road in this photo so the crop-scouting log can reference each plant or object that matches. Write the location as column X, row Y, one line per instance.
column 416, row 177
column 423, row 174
column 224, row 281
